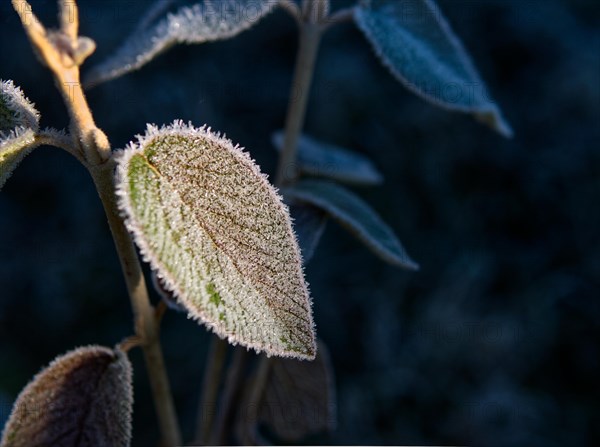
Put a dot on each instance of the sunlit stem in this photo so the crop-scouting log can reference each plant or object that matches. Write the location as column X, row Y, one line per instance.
column 63, row 52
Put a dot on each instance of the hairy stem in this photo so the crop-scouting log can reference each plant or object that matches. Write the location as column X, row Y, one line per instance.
column 146, row 324
column 63, row 51
column 310, row 36
column 210, row 388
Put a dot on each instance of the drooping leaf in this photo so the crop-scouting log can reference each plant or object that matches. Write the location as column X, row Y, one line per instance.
column 82, row 398
column 354, row 214
column 299, row 398
column 218, row 236
column 309, row 224
column 206, row 21
column 325, row 160
column 413, row 39
column 18, row 126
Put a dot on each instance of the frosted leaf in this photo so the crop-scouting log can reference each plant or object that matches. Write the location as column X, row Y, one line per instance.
column 326, row 160
column 299, row 398
column 206, row 21
column 354, row 214
column 82, row 398
column 413, row 39
column 218, row 236
column 18, row 126
column 309, row 224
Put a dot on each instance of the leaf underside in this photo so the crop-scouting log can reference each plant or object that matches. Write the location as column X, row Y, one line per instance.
column 82, row 398
column 219, row 237
column 299, row 398
column 18, row 126
column 309, row 224
column 354, row 214
column 325, row 160
column 413, row 39
column 206, row 21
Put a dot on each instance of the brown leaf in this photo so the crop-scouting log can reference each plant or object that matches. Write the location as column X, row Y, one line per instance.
column 83, row 398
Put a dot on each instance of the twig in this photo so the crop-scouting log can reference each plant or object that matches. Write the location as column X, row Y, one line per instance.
column 310, row 36
column 63, row 52
column 210, row 388
column 53, row 137
column 146, row 326
column 232, row 388
column 249, row 431
column 341, row 16
column 69, row 19
column 292, row 9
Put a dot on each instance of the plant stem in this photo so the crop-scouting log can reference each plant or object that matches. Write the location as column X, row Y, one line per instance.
column 146, row 325
column 341, row 16
column 310, row 36
column 233, row 384
column 63, row 52
column 210, row 388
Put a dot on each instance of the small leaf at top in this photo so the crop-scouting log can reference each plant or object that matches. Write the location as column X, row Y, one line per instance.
column 206, row 21
column 18, row 126
column 218, row 236
column 354, row 214
column 326, row 160
column 82, row 398
column 413, row 39
column 299, row 398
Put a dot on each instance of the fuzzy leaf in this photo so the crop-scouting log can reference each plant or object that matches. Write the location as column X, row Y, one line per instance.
column 219, row 237
column 82, row 398
column 413, row 39
column 325, row 160
column 206, row 21
column 299, row 399
column 18, row 125
column 354, row 214
column 309, row 224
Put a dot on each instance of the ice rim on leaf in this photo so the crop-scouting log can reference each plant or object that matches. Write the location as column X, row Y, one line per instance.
column 204, row 21
column 16, row 111
column 18, row 126
column 224, row 244
column 379, row 19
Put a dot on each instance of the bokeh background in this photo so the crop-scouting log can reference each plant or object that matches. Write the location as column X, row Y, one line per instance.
column 494, row 342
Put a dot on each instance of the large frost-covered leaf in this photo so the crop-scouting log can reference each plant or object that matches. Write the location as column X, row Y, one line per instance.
column 354, row 214
column 18, row 126
column 219, row 237
column 83, row 398
column 206, row 21
column 299, row 398
column 413, row 39
column 326, row 160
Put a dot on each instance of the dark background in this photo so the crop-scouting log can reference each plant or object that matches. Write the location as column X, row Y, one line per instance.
column 493, row 343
